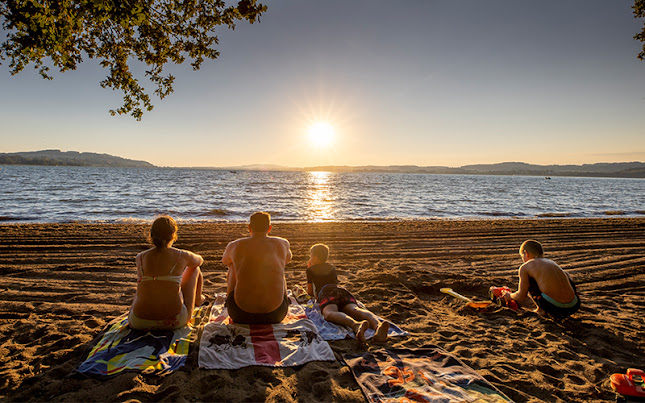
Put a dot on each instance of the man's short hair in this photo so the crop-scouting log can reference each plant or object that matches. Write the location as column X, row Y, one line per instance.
column 260, row 222
column 533, row 247
column 320, row 251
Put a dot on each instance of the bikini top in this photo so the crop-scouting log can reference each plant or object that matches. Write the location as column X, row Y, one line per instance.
column 168, row 277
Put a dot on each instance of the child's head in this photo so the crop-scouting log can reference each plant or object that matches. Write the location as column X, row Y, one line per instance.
column 532, row 247
column 163, row 232
column 319, row 253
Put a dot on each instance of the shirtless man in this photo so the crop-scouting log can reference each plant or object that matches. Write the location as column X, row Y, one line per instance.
column 257, row 288
column 550, row 287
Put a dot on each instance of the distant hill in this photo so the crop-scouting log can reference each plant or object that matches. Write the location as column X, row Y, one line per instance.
column 612, row 170
column 69, row 158
column 616, row 169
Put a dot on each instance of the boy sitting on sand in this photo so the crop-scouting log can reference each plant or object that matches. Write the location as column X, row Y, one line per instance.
column 336, row 303
column 550, row 287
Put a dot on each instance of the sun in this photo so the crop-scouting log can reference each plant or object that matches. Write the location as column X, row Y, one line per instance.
column 321, row 134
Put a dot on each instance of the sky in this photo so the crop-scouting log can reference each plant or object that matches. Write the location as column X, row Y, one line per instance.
column 406, row 82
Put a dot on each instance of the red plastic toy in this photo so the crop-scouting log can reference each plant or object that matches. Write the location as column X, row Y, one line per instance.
column 497, row 295
column 632, row 384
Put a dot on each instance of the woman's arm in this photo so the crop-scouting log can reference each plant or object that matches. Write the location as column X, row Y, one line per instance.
column 139, row 265
column 194, row 260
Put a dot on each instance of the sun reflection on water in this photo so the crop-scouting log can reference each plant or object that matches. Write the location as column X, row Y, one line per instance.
column 319, row 199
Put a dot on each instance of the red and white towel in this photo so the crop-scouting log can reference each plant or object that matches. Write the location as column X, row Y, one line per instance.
column 294, row 341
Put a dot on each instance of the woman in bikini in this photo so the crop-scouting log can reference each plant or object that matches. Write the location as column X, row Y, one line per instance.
column 169, row 281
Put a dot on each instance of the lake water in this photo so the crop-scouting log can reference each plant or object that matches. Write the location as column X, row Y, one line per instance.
column 67, row 194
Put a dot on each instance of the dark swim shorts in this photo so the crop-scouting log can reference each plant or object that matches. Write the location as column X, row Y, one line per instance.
column 332, row 294
column 241, row 316
column 554, row 310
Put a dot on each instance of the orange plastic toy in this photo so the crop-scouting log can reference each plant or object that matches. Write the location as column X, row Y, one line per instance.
column 632, row 384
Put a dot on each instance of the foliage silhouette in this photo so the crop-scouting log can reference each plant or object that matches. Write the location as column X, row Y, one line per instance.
column 60, row 33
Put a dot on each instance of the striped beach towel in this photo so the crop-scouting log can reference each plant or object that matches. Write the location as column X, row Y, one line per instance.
column 119, row 348
column 294, row 341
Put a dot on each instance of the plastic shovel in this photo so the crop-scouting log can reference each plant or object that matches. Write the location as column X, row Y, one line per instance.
column 469, row 302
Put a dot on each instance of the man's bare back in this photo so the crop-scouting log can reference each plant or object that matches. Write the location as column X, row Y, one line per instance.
column 256, row 271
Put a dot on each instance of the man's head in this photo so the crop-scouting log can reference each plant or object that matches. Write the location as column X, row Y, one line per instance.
column 260, row 223
column 319, row 253
column 531, row 249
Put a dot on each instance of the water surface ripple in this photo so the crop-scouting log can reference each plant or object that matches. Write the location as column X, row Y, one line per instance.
column 69, row 194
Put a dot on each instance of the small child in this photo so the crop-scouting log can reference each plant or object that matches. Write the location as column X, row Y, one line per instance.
column 550, row 287
column 336, row 303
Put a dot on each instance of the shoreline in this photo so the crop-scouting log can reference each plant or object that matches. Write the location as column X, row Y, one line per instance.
column 274, row 220
column 62, row 283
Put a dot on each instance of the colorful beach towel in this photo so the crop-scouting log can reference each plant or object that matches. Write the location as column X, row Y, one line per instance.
column 294, row 341
column 428, row 375
column 120, row 348
column 331, row 331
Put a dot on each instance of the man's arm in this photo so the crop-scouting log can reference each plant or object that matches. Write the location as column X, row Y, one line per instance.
column 289, row 254
column 231, row 280
column 227, row 259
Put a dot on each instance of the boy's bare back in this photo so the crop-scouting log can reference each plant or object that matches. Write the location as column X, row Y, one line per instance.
column 550, row 278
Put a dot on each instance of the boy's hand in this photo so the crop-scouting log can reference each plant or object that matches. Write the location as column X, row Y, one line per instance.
column 510, row 302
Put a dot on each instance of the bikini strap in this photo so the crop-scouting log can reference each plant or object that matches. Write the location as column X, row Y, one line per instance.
column 175, row 265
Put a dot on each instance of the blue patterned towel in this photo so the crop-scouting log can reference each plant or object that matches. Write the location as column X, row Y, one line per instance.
column 331, row 331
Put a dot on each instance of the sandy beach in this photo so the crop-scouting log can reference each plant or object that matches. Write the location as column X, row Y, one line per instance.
column 62, row 283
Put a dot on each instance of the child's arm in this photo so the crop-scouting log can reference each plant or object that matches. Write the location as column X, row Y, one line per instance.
column 310, row 289
column 522, row 288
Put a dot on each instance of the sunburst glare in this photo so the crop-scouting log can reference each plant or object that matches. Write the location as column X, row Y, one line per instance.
column 321, row 134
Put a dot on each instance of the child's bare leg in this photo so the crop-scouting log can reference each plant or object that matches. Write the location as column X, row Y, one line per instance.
column 381, row 331
column 332, row 314
column 359, row 331
column 538, row 309
column 380, row 328
column 362, row 314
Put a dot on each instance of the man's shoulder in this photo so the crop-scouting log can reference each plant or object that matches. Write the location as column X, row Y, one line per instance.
column 237, row 241
column 279, row 240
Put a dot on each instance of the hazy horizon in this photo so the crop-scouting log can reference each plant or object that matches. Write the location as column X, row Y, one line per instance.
column 433, row 83
column 292, row 167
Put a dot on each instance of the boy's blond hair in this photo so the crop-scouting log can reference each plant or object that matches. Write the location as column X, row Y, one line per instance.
column 532, row 247
column 320, row 251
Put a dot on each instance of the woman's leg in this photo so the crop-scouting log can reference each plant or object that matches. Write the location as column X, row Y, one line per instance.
column 191, row 288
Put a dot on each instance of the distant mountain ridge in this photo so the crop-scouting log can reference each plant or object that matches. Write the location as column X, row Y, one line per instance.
column 603, row 169
column 70, row 158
